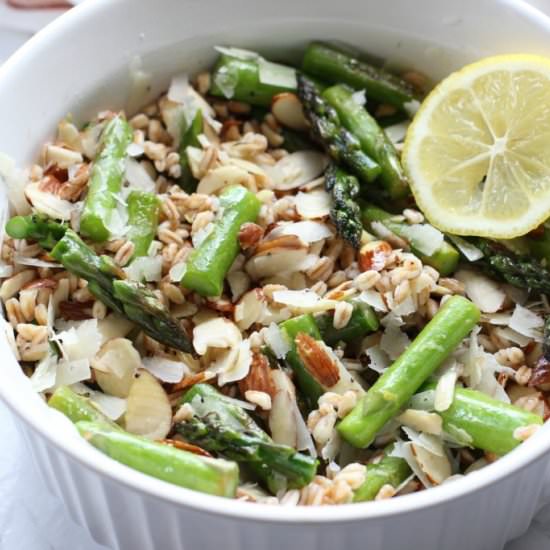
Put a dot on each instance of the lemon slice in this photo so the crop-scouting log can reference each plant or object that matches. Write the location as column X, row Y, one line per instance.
column 478, row 151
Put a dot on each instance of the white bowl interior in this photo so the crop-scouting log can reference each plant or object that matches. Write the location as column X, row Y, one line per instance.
column 81, row 64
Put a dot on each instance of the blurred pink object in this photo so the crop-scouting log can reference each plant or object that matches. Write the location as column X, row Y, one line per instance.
column 38, row 4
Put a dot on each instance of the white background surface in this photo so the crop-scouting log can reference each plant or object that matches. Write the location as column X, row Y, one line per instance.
column 30, row 517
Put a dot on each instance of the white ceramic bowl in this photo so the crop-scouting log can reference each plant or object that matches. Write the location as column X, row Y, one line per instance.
column 79, row 64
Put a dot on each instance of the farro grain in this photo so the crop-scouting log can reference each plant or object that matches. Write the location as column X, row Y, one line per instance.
column 385, row 492
column 139, row 121
column 523, row 375
column 124, row 253
column 342, row 315
column 13, row 312
column 510, row 357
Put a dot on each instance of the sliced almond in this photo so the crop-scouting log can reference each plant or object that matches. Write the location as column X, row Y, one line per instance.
column 316, row 360
column 288, row 242
column 436, row 468
column 115, row 366
column 274, row 262
column 64, row 158
column 296, row 169
column 258, row 377
column 215, row 180
column 282, row 423
column 287, row 109
column 49, row 204
column 113, row 326
column 215, row 333
column 423, row 421
column 148, row 412
column 249, row 308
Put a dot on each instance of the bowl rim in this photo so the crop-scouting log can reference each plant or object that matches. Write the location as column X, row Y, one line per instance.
column 94, row 461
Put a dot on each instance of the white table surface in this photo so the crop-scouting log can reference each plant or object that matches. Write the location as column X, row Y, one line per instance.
column 31, row 518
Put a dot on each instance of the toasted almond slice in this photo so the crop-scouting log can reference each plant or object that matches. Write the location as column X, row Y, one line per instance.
column 288, row 242
column 316, row 360
column 115, row 365
column 287, row 109
column 274, row 262
column 436, row 468
column 282, row 423
column 149, row 413
column 217, row 179
column 258, row 377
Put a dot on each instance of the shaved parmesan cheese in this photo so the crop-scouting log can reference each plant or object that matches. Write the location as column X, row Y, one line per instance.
column 35, row 262
column 397, row 132
column 110, row 406
column 497, row 318
column 43, row 377
column 274, row 339
column 513, row 336
column 48, row 203
column 274, row 74
column 424, row 237
column 484, row 292
column 359, row 97
column 71, row 372
column 179, row 88
column 81, row 341
column 315, row 204
column 176, row 272
column 374, row 299
column 394, row 342
column 135, row 150
column 379, row 361
column 237, row 53
column 306, row 301
column 527, row 323
column 138, row 177
column 226, row 82
column 308, row 231
column 166, row 369
column 145, row 268
column 468, row 250
column 14, row 182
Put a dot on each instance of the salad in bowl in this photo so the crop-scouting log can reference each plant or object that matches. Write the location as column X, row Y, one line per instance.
column 307, row 285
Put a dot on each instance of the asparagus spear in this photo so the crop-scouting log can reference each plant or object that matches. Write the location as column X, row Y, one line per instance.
column 77, row 408
column 208, row 264
column 391, row 470
column 105, row 180
column 36, row 227
column 253, row 80
column 339, row 143
column 220, row 426
column 363, row 321
column 344, row 211
column 444, row 259
column 133, row 300
column 207, row 475
column 490, row 424
column 518, row 270
column 295, row 141
column 337, row 67
column 374, row 141
column 398, row 383
column 190, row 138
column 143, row 219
